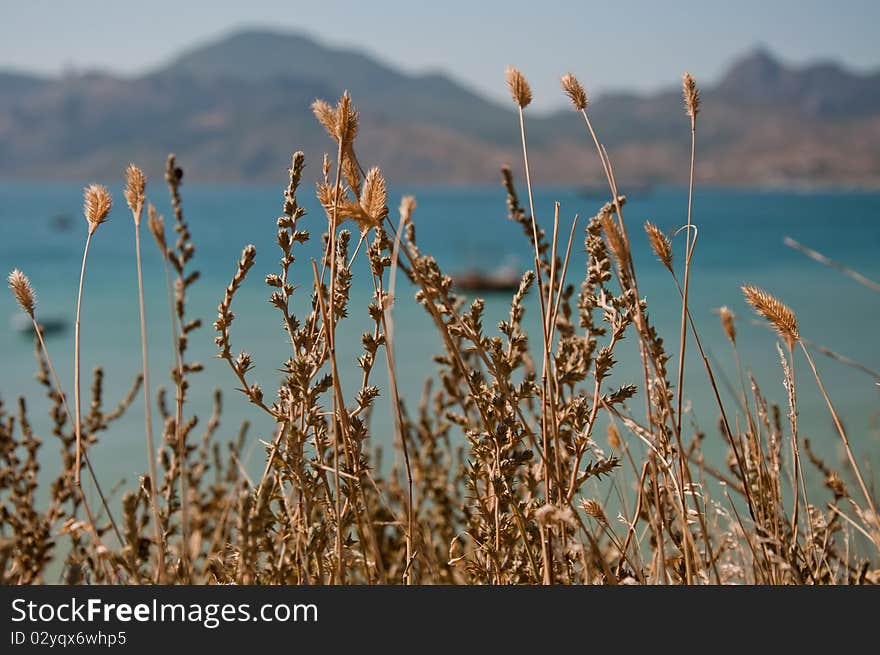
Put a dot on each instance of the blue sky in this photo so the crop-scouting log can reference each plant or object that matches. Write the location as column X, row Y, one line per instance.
column 621, row 44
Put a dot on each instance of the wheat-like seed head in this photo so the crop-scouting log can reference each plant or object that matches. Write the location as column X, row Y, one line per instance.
column 341, row 122
column 575, row 91
column 326, row 116
column 593, row 508
column 96, row 205
column 660, row 244
column 23, row 291
column 157, row 227
column 777, row 313
column 135, row 187
column 346, row 121
column 691, row 95
column 352, row 174
column 615, row 239
column 519, row 88
column 374, row 199
column 727, row 317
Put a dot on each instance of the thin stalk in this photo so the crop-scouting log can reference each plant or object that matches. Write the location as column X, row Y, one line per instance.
column 822, row 259
column 76, row 375
column 340, row 415
column 548, row 357
column 148, row 416
column 799, row 469
column 388, row 326
column 564, row 271
column 796, row 456
column 61, row 393
column 711, row 377
column 178, row 414
column 76, row 385
column 689, row 251
column 837, row 424
column 545, row 538
column 357, row 248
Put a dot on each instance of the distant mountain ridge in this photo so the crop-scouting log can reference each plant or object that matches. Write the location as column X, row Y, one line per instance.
column 235, row 108
column 821, row 89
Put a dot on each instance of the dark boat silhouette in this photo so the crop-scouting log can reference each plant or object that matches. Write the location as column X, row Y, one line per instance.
column 61, row 222
column 49, row 326
column 501, row 280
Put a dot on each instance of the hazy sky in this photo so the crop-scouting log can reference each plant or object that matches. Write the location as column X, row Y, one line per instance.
column 613, row 44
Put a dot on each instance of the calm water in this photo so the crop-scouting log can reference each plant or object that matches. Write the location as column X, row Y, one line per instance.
column 740, row 240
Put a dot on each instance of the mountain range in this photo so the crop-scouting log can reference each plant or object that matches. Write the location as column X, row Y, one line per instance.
column 236, row 108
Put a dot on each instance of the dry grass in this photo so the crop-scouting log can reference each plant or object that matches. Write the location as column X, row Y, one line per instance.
column 500, row 478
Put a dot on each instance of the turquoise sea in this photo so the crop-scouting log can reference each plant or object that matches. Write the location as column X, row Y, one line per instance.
column 740, row 240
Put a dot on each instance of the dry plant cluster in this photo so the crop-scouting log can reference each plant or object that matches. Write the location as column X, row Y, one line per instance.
column 499, row 476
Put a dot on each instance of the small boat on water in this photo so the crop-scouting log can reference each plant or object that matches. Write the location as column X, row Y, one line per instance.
column 504, row 279
column 61, row 222
column 49, row 326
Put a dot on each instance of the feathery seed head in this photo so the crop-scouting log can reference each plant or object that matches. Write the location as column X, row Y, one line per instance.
column 780, row 316
column 575, row 91
column 326, row 116
column 352, row 175
column 519, row 88
column 615, row 239
column 23, row 291
column 157, row 227
column 341, row 122
column 374, row 199
column 727, row 317
column 593, row 509
column 96, row 205
column 346, row 120
column 135, row 186
column 660, row 244
column 691, row 96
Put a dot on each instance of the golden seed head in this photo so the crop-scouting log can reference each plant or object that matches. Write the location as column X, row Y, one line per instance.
column 135, row 187
column 23, row 291
column 519, row 88
column 352, row 174
column 615, row 239
column 691, row 95
column 346, row 121
column 593, row 509
column 575, row 91
column 326, row 116
column 96, row 205
column 374, row 199
column 660, row 244
column 777, row 313
column 157, row 227
column 341, row 122
column 727, row 317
